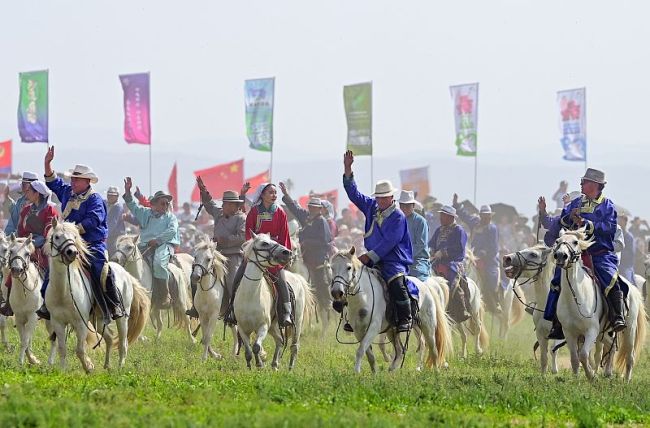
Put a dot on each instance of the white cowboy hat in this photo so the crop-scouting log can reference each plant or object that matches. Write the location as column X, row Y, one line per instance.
column 446, row 209
column 595, row 175
column 383, row 188
column 315, row 202
column 407, row 197
column 41, row 188
column 83, row 171
column 112, row 190
column 29, row 176
column 485, row 209
column 231, row 196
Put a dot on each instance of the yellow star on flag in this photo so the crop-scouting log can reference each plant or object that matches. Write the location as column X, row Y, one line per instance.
column 234, row 168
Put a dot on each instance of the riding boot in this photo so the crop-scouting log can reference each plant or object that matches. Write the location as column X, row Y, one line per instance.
column 616, row 302
column 42, row 312
column 556, row 330
column 160, row 293
column 284, row 301
column 5, row 309
column 458, row 305
column 113, row 300
column 400, row 297
column 192, row 312
column 229, row 318
column 498, row 299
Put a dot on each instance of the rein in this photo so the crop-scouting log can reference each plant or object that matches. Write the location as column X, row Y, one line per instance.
column 204, row 273
column 536, row 266
column 575, row 256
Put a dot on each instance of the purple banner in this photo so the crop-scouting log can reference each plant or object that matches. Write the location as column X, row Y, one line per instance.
column 33, row 107
column 137, row 128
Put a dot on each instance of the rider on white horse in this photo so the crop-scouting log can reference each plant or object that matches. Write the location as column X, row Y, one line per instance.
column 80, row 204
column 229, row 234
column 448, row 247
column 419, row 233
column 598, row 214
column 485, row 244
column 387, row 240
column 15, row 207
column 158, row 235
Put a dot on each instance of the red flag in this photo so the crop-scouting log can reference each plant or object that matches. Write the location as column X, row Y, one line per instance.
column 332, row 196
column 219, row 178
column 258, row 179
column 5, row 157
column 172, row 185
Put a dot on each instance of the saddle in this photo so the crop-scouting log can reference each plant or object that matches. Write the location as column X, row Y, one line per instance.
column 414, row 293
column 272, row 281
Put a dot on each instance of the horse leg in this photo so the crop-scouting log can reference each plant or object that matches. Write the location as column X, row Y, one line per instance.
column 188, row 323
column 156, row 315
column 82, row 331
column 463, row 340
column 123, row 344
column 590, row 339
column 207, row 335
column 245, row 340
column 295, row 345
column 205, row 338
column 29, row 332
column 20, row 326
column 279, row 344
column 59, row 331
column 370, row 355
column 572, row 344
column 3, row 332
column 554, row 360
column 257, row 346
column 108, row 342
column 235, row 340
column 382, row 348
column 598, row 356
column 399, row 351
column 361, row 351
column 543, row 353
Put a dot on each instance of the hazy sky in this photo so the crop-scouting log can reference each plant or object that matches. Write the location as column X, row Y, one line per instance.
column 521, row 52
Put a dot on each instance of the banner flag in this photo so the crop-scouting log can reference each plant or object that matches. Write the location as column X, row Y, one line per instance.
column 358, row 112
column 172, row 186
column 137, row 125
column 258, row 95
column 5, row 157
column 416, row 179
column 331, row 196
column 465, row 117
column 258, row 180
column 573, row 123
column 219, row 178
column 33, row 107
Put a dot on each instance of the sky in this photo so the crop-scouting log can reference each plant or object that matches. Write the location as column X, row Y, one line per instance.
column 199, row 53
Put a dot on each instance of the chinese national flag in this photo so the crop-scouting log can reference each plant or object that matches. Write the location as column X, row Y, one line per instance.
column 258, row 179
column 219, row 178
column 332, row 196
column 172, row 185
column 5, row 157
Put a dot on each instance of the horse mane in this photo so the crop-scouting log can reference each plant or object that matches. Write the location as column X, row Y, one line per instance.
column 21, row 241
column 470, row 256
column 581, row 234
column 356, row 263
column 69, row 229
column 125, row 237
column 221, row 269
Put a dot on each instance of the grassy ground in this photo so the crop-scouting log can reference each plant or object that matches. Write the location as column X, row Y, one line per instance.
column 165, row 384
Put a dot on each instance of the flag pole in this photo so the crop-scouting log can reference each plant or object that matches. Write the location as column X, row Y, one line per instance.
column 271, row 167
column 150, row 172
column 475, row 175
column 585, row 130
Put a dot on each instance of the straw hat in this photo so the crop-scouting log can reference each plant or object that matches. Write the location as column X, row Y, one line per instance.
column 384, row 188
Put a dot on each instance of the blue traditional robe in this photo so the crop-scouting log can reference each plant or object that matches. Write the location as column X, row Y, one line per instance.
column 387, row 238
column 485, row 242
column 450, row 241
column 14, row 214
column 419, row 232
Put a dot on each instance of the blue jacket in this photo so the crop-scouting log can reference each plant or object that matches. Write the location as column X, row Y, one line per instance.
column 485, row 238
column 14, row 215
column 387, row 237
column 600, row 221
column 87, row 211
column 419, row 232
column 451, row 241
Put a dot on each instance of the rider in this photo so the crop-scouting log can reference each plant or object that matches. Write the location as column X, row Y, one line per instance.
column 35, row 220
column 114, row 218
column 419, row 233
column 80, row 204
column 158, row 235
column 597, row 214
column 315, row 238
column 267, row 217
column 15, row 207
column 485, row 242
column 387, row 240
column 448, row 247
column 229, row 234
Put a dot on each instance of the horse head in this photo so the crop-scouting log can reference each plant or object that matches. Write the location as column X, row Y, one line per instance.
column 4, row 250
column 126, row 249
column 344, row 266
column 20, row 251
column 265, row 252
column 64, row 242
column 207, row 260
column 569, row 247
column 526, row 263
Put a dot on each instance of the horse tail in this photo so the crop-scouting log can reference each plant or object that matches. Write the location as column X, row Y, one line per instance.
column 184, row 300
column 310, row 309
column 444, row 343
column 640, row 336
column 139, row 312
column 484, row 337
column 517, row 308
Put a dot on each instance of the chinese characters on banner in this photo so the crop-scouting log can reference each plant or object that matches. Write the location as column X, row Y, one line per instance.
column 358, row 112
column 466, row 117
column 137, row 126
column 258, row 95
column 573, row 123
column 33, row 107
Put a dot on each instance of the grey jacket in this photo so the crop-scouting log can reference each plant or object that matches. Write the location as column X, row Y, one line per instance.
column 229, row 232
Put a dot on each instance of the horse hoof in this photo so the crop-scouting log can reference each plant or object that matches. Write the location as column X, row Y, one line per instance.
column 256, row 348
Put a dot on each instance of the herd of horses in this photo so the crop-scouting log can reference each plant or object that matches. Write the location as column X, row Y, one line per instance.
column 582, row 309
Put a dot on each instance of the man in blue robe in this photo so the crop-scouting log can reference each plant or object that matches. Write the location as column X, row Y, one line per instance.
column 448, row 249
column 597, row 214
column 485, row 243
column 419, row 233
column 387, row 240
column 81, row 205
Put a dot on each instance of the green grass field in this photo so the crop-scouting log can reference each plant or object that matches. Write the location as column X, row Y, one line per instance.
column 165, row 384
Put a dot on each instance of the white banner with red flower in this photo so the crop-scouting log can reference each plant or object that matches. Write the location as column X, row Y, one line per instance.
column 573, row 123
column 466, row 117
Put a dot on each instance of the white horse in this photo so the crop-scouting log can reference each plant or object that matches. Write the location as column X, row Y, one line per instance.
column 4, row 274
column 26, row 298
column 209, row 273
column 534, row 266
column 128, row 255
column 364, row 291
column 254, row 304
column 70, row 301
column 512, row 311
column 582, row 312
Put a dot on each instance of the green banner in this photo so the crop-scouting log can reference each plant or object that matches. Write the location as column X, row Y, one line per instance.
column 358, row 111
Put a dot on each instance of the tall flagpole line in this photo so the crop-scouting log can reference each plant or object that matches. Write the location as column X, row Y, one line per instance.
column 271, row 167
column 150, row 172
column 475, row 175
column 585, row 130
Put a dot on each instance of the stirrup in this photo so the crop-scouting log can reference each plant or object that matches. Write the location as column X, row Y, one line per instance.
column 403, row 327
column 192, row 312
column 43, row 313
column 618, row 325
column 347, row 327
column 117, row 313
column 6, row 310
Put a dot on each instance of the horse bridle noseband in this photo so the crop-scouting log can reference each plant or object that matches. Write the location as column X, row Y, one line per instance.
column 61, row 248
column 525, row 265
column 574, row 255
column 349, row 283
column 204, row 273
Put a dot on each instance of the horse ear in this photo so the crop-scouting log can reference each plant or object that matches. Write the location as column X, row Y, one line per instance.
column 55, row 222
column 13, row 237
column 352, row 250
column 136, row 239
column 29, row 239
column 253, row 235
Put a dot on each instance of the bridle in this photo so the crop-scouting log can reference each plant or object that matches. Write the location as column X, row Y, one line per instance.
column 263, row 255
column 351, row 287
column 574, row 255
column 204, row 272
column 60, row 249
column 524, row 265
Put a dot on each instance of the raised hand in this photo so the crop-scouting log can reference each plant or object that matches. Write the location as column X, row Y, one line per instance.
column 541, row 204
column 245, row 188
column 199, row 182
column 454, row 202
column 49, row 156
column 283, row 188
column 128, row 184
column 348, row 160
